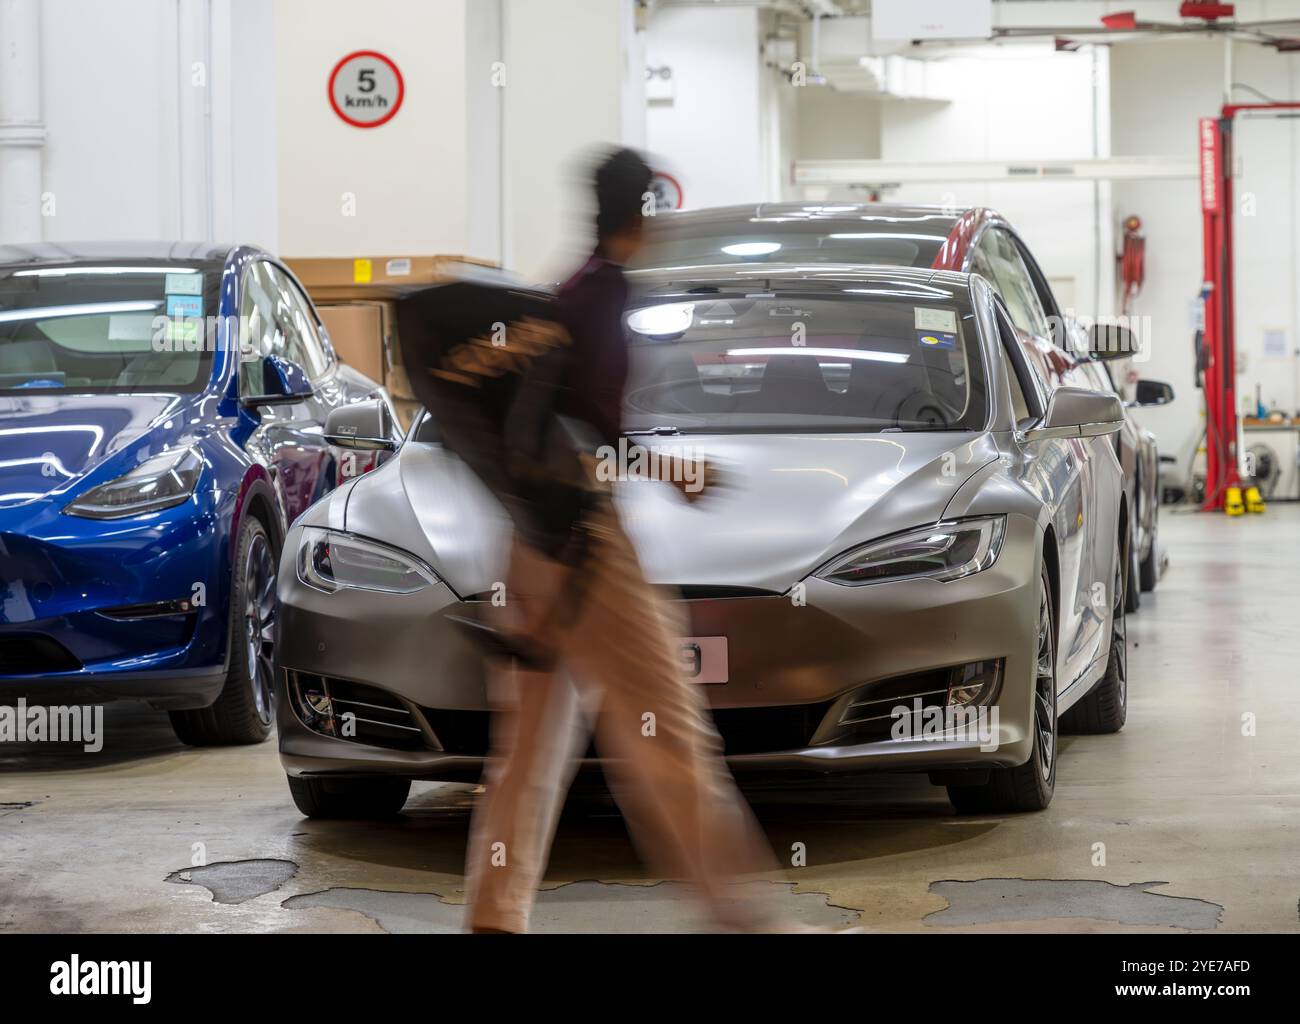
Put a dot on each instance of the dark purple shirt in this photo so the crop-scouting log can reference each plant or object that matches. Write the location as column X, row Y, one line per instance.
column 590, row 305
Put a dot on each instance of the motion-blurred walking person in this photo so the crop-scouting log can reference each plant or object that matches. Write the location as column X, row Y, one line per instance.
column 591, row 635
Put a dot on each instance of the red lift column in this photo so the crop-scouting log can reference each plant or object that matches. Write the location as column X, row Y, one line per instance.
column 1220, row 340
column 1221, row 413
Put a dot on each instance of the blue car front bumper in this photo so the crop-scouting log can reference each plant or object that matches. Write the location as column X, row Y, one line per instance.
column 94, row 610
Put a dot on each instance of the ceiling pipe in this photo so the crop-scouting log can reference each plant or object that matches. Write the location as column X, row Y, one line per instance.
column 22, row 131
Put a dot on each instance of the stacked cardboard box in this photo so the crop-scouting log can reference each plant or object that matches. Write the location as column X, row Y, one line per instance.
column 357, row 300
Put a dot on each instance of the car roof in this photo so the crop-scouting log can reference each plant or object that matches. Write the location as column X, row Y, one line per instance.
column 880, row 217
column 751, row 274
column 953, row 231
column 870, row 217
column 212, row 255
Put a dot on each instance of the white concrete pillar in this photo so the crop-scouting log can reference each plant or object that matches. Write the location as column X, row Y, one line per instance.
column 485, row 81
column 569, row 66
column 22, row 132
column 194, row 118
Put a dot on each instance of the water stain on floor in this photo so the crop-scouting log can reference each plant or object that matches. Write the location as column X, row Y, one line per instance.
column 578, row 907
column 992, row 900
column 236, row 881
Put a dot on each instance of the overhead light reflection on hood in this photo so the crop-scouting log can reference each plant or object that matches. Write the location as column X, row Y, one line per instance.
column 751, row 248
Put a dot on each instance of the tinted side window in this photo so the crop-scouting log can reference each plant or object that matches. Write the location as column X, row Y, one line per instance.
column 1007, row 271
column 277, row 321
column 299, row 326
column 1021, row 408
column 257, row 304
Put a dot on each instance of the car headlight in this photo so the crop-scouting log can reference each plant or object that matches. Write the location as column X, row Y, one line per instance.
column 329, row 560
column 157, row 483
column 945, row 551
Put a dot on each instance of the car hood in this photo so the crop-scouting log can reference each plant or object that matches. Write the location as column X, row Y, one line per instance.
column 789, row 503
column 49, row 442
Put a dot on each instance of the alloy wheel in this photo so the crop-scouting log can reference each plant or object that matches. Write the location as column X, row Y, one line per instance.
column 259, row 624
column 1045, row 687
column 1119, row 636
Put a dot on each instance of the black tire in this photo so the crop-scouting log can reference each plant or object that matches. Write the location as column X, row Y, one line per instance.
column 1105, row 708
column 1029, row 786
column 1149, row 567
column 349, row 798
column 1132, row 596
column 245, row 710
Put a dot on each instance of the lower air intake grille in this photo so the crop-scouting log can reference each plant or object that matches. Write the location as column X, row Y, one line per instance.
column 354, row 711
column 459, row 732
column 769, row 729
column 30, row 654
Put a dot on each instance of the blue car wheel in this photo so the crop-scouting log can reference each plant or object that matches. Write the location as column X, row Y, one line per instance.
column 245, row 710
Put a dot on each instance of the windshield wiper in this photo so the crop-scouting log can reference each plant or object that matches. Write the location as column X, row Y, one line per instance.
column 655, row 431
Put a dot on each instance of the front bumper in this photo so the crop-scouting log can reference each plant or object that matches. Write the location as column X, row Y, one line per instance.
column 786, row 661
column 92, row 610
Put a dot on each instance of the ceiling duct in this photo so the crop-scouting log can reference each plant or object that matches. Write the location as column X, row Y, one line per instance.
column 844, row 54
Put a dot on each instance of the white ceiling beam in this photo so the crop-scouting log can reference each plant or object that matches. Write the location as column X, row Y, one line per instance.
column 883, row 173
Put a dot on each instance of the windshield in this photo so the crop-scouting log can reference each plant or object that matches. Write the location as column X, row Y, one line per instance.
column 858, row 358
column 905, row 241
column 90, row 328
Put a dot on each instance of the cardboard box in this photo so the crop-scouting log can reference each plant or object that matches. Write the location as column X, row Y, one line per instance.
column 356, row 299
column 357, row 332
column 337, row 279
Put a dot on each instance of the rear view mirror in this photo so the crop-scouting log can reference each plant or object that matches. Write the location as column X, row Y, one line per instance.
column 363, row 426
column 1111, row 341
column 1078, row 412
column 1153, row 392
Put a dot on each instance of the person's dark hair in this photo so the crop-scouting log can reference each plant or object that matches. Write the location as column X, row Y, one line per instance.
column 621, row 180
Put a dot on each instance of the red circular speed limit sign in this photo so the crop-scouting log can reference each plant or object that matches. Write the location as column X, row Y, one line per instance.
column 667, row 191
column 366, row 89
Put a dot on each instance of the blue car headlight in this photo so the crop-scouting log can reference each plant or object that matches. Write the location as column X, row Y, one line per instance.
column 330, row 560
column 944, row 552
column 158, row 483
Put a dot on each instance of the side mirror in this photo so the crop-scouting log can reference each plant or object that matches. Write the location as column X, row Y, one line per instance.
column 1153, row 392
column 1111, row 341
column 363, row 426
column 1078, row 412
column 283, row 383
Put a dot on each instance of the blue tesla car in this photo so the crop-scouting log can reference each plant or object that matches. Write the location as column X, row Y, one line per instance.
column 161, row 413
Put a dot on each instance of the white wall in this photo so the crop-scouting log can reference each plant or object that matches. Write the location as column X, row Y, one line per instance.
column 157, row 119
column 398, row 188
column 570, row 65
column 1014, row 102
column 711, row 134
column 1160, row 90
column 837, row 125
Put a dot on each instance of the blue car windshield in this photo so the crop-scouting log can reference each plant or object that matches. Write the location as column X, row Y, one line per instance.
column 89, row 328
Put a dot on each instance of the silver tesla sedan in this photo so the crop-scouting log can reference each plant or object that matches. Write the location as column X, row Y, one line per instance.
column 918, row 564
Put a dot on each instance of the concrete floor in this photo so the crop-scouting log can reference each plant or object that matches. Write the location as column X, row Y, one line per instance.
column 1200, row 824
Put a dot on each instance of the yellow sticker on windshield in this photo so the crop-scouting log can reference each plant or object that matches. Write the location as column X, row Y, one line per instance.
column 942, row 320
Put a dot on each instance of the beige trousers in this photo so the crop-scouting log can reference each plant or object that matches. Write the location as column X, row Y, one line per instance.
column 661, row 753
